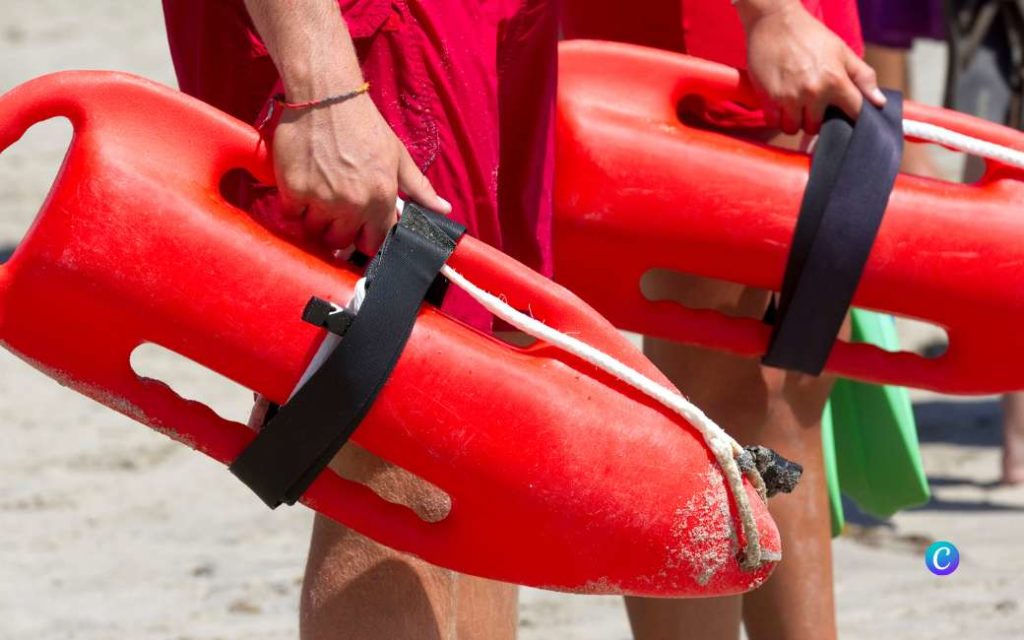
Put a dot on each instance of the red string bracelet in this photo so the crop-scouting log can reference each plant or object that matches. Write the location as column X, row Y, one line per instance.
column 279, row 100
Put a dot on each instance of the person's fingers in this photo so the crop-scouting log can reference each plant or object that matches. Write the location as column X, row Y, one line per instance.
column 344, row 255
column 292, row 207
column 340, row 234
column 372, row 234
column 791, row 117
column 339, row 228
column 317, row 218
column 814, row 114
column 848, row 98
column 772, row 115
column 414, row 184
column 811, row 122
column 863, row 76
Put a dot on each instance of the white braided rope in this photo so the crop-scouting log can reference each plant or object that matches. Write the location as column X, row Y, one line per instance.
column 722, row 445
column 964, row 143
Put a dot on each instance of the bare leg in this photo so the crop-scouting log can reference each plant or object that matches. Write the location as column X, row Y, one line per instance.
column 797, row 601
column 1013, row 438
column 700, row 618
column 356, row 589
column 763, row 406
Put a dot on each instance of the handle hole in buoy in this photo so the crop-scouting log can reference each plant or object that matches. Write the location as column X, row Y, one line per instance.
column 926, row 339
column 935, row 162
column 29, row 167
column 735, row 300
column 512, row 337
column 731, row 299
column 392, row 483
column 693, row 112
column 260, row 202
column 921, row 159
column 193, row 381
column 231, row 401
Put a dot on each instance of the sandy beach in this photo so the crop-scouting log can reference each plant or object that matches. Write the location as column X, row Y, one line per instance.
column 110, row 530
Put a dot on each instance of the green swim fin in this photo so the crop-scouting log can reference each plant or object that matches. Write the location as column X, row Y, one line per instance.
column 875, row 458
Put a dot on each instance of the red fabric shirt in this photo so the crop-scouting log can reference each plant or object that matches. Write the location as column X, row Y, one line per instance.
column 709, row 29
column 467, row 85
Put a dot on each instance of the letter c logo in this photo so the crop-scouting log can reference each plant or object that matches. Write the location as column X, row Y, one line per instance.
column 942, row 558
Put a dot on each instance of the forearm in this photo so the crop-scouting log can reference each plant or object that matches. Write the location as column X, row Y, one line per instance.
column 310, row 45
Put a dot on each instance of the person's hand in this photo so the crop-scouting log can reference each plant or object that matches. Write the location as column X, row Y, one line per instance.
column 800, row 67
column 340, row 167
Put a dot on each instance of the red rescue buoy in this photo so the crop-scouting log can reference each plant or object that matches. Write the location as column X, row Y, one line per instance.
column 560, row 475
column 638, row 189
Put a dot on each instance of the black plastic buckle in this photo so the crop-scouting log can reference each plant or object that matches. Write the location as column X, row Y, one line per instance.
column 326, row 314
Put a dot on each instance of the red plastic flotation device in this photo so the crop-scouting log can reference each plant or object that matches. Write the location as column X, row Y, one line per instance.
column 560, row 476
column 637, row 189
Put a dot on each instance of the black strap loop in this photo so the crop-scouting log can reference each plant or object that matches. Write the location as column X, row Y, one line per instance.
column 851, row 178
column 301, row 439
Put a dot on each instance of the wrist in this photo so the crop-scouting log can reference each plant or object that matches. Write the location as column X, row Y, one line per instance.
column 750, row 11
column 327, row 101
column 306, row 82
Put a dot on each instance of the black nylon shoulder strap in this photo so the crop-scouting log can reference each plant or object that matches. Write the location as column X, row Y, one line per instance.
column 304, row 435
column 852, row 174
